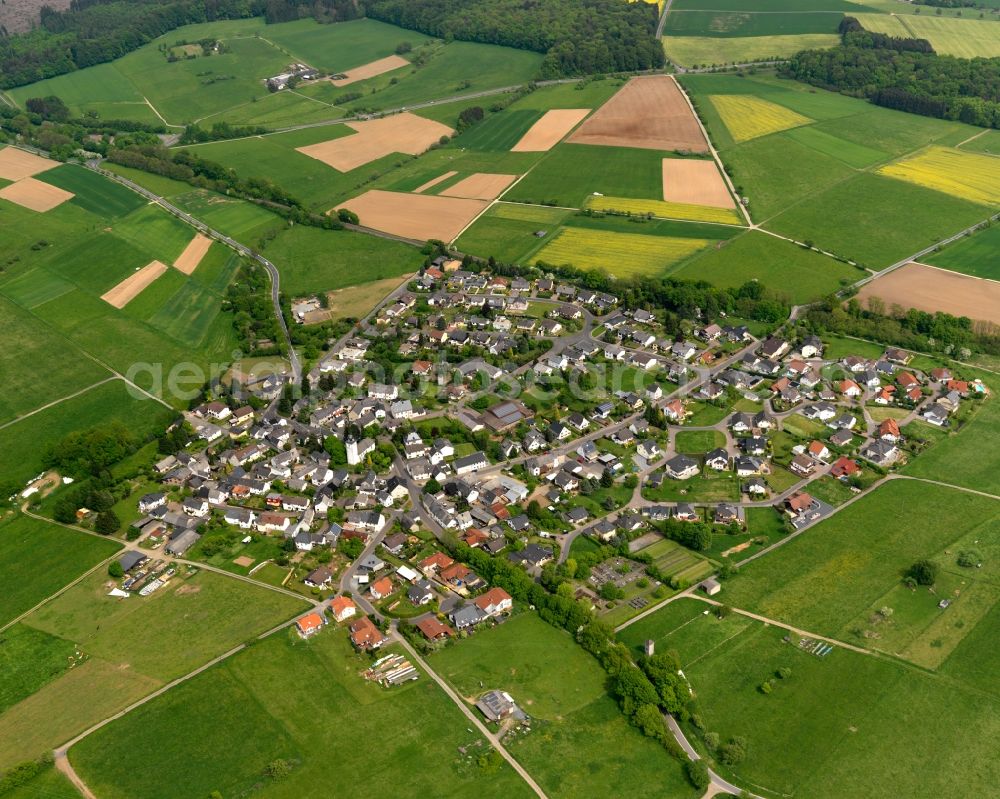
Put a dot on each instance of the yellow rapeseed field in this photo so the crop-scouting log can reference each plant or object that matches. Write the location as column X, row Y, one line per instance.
column 967, row 175
column 619, row 254
column 666, row 210
column 749, row 117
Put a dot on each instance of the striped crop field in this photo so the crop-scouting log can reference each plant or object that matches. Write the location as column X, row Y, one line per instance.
column 969, row 176
column 619, row 254
column 962, row 38
column 527, row 213
column 747, row 117
column 665, row 210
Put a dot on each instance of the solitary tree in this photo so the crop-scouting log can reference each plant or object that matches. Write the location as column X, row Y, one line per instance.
column 923, row 572
column 115, row 570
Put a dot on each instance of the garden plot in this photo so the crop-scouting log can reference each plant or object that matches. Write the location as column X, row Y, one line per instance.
column 548, row 131
column 928, row 288
column 377, row 138
column 370, row 70
column 647, row 112
column 17, row 164
column 480, row 186
column 35, row 195
column 126, row 291
column 695, row 183
column 415, row 216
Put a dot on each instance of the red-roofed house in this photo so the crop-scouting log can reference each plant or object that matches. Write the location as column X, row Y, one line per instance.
column 435, row 562
column 310, row 624
column 433, row 629
column 907, row 380
column 343, row 608
column 381, row 588
column 961, row 386
column 365, row 635
column 889, row 430
column 843, row 468
column 494, row 602
column 819, row 450
column 849, row 388
column 798, row 503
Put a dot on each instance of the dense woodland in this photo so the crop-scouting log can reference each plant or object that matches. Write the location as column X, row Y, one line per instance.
column 578, row 37
column 904, row 74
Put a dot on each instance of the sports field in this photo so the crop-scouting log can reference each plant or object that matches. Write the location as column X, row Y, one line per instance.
column 618, row 254
column 579, row 743
column 274, row 718
column 960, row 174
column 963, row 38
column 751, row 117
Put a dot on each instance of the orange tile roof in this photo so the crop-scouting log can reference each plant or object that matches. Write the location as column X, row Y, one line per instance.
column 309, row 622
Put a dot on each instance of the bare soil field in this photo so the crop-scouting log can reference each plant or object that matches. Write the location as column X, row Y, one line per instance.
column 930, row 289
column 35, row 195
column 17, row 164
column 695, row 183
column 548, row 131
column 650, row 112
column 126, row 291
column 370, row 70
column 400, row 133
column 415, row 216
column 188, row 260
column 480, row 186
column 430, row 184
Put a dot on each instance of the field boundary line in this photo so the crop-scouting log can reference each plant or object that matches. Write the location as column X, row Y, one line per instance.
column 494, row 741
column 55, row 402
column 654, row 608
column 953, row 272
column 711, row 147
column 973, row 137
column 710, row 650
column 158, row 114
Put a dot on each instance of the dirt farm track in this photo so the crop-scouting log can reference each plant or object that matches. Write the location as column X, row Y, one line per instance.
column 930, row 289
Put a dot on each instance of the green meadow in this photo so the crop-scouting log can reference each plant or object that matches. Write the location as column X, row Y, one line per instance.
column 68, row 554
column 974, row 255
column 274, row 717
column 579, row 742
column 791, row 270
column 315, row 260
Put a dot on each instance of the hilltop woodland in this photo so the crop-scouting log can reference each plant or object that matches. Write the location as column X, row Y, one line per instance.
column 904, row 74
column 577, row 37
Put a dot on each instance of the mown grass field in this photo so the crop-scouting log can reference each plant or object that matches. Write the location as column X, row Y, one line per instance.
column 133, row 646
column 29, row 659
column 782, row 266
column 738, row 24
column 507, row 231
column 251, row 696
column 312, row 259
column 579, row 741
column 969, row 176
column 68, row 554
column 855, row 742
column 27, row 345
column 572, row 172
column 878, row 220
column 748, row 117
column 692, row 51
column 502, row 131
column 26, row 442
column 104, row 198
column 698, row 441
column 619, row 254
column 665, row 210
column 963, row 38
column 838, row 571
column 974, row 255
